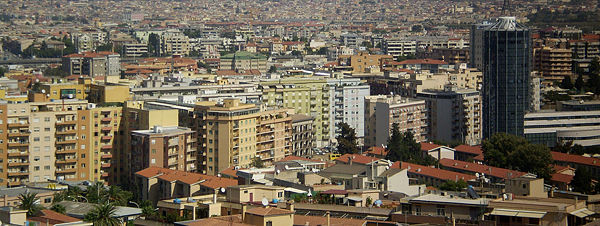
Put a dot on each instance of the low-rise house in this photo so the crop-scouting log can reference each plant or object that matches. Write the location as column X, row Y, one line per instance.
column 343, row 174
column 495, row 174
column 519, row 210
column 350, row 159
column 80, row 209
column 446, row 205
column 156, row 183
column 431, row 176
column 437, row 151
column 468, row 153
column 577, row 161
column 253, row 193
column 10, row 196
column 49, row 217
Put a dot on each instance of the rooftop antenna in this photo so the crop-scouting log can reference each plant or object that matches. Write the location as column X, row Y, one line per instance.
column 505, row 6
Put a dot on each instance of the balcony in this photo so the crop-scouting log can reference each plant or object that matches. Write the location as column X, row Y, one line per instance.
column 19, row 134
column 65, row 161
column 106, row 120
column 65, row 171
column 106, row 138
column 23, row 163
column 106, row 129
column 70, row 122
column 73, row 141
column 65, row 132
column 108, row 156
column 18, row 125
column 104, row 175
column 105, row 165
column 18, row 144
column 106, row 147
column 16, row 154
column 18, row 173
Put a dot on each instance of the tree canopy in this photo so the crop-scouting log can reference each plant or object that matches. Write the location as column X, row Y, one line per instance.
column 581, row 181
column 451, row 185
column 347, row 140
column 403, row 147
column 513, row 152
column 30, row 202
column 103, row 215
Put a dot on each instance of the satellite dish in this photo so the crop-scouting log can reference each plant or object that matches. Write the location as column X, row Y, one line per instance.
column 265, row 202
column 286, row 167
column 504, row 196
column 43, row 91
column 387, row 167
column 278, row 171
column 222, row 190
column 477, row 175
column 309, row 193
column 219, row 175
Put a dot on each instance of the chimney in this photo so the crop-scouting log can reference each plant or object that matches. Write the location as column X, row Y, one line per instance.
column 350, row 160
column 291, row 207
column 243, row 212
column 215, row 196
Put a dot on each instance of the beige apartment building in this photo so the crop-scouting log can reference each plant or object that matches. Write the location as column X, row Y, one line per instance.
column 454, row 114
column 274, row 135
column 174, row 43
column 381, row 112
column 60, row 140
column 233, row 134
column 165, row 147
column 226, row 133
column 554, row 64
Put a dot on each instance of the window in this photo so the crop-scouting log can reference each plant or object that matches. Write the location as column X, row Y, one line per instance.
column 441, row 210
column 36, row 168
column 279, row 194
column 82, row 156
column 47, row 200
column 36, row 158
column 36, row 129
column 153, row 141
column 82, row 127
column 47, row 158
column 269, row 223
column 46, row 148
column 47, row 138
column 153, row 151
column 82, row 117
column 83, row 146
column 46, row 119
column 47, row 129
column 36, row 119
column 153, row 161
column 209, row 159
column 36, row 149
column 46, row 167
column 36, row 139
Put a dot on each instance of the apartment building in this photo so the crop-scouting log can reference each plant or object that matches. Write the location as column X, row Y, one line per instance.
column 349, row 104
column 226, row 134
column 400, row 47
column 106, row 138
column 274, row 135
column 381, row 112
column 138, row 116
column 174, row 43
column 364, row 62
column 58, row 91
column 57, row 140
column 308, row 96
column 170, row 147
column 453, row 114
column 244, row 61
column 135, row 49
column 553, row 64
column 92, row 64
column 303, row 139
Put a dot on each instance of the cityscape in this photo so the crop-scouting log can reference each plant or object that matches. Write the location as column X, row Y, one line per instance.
column 300, row 113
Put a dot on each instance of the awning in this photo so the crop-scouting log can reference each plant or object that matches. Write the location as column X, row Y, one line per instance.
column 518, row 213
column 356, row 199
column 581, row 213
column 293, row 190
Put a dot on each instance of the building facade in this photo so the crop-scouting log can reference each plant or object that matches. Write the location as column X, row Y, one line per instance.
column 506, row 70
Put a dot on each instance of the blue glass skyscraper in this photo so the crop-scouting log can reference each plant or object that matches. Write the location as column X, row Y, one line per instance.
column 506, row 70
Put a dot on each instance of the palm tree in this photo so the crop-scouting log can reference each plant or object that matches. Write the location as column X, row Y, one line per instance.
column 102, row 214
column 117, row 195
column 95, row 193
column 29, row 202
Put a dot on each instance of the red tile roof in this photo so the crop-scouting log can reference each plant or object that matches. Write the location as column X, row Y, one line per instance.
column 429, row 146
column 578, row 159
column 376, row 150
column 52, row 218
column 169, row 175
column 292, row 157
column 422, row 61
column 432, row 172
column 480, row 168
column 562, row 178
column 356, row 158
column 231, row 171
column 476, row 150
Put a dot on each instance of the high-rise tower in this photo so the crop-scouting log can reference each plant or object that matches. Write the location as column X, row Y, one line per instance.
column 506, row 70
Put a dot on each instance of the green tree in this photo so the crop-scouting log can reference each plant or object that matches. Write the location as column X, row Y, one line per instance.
column 323, row 51
column 58, row 208
column 296, row 53
column 117, row 195
column 106, row 47
column 404, row 147
column 54, row 72
column 579, row 83
column 451, row 185
column 257, row 162
column 29, row 202
column 566, row 83
column 154, row 44
column 347, row 140
column 417, row 28
column 95, row 193
column 272, row 69
column 148, row 210
column 582, row 181
column 2, row 71
column 369, row 201
column 514, row 152
column 102, row 214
